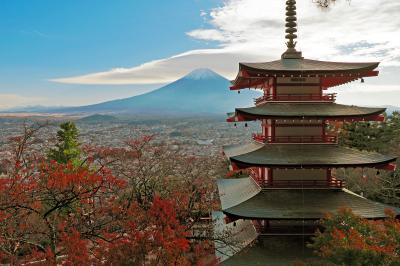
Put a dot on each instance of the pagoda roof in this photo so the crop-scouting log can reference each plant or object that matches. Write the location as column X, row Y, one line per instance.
column 307, row 67
column 255, row 75
column 309, row 110
column 235, row 191
column 275, row 250
column 243, row 232
column 293, row 204
column 302, row 155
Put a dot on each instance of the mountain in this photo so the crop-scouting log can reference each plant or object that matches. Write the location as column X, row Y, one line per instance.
column 390, row 109
column 32, row 109
column 200, row 92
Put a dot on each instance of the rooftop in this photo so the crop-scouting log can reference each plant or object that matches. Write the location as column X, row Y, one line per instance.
column 302, row 155
column 292, row 64
column 306, row 110
column 274, row 250
column 295, row 204
column 306, row 67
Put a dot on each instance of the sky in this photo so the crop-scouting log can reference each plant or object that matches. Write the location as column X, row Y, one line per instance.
column 74, row 52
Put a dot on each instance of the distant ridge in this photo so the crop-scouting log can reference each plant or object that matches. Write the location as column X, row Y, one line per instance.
column 98, row 118
column 200, row 92
column 390, row 109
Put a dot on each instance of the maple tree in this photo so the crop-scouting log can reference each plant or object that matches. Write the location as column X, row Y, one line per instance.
column 151, row 169
column 140, row 204
column 348, row 239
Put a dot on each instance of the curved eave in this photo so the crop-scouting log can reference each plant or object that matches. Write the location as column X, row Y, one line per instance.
column 312, row 204
column 306, row 110
column 379, row 164
column 304, row 156
column 235, row 191
column 275, row 250
column 307, row 67
column 254, row 75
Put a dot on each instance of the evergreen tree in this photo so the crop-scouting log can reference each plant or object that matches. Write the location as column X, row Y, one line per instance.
column 383, row 137
column 373, row 136
column 67, row 148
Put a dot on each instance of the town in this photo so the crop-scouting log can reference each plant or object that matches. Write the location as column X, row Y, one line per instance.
column 199, row 136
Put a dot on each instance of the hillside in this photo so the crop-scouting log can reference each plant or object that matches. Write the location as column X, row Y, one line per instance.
column 200, row 92
column 98, row 118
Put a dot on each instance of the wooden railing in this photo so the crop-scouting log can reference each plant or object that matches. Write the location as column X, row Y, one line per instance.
column 295, row 139
column 286, row 230
column 329, row 97
column 332, row 183
column 256, row 177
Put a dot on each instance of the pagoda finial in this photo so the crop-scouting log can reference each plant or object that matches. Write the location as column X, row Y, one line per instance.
column 291, row 29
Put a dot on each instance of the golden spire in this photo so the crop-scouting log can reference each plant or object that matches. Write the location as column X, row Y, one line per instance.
column 291, row 29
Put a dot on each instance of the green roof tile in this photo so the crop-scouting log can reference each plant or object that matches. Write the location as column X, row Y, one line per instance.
column 302, row 155
column 308, row 204
column 307, row 67
column 309, row 110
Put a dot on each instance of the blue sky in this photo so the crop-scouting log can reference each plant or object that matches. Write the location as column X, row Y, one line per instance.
column 43, row 39
column 75, row 52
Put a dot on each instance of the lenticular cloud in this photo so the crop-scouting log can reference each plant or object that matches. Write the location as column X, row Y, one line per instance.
column 253, row 30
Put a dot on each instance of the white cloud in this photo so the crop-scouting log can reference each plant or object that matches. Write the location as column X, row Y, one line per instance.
column 12, row 100
column 208, row 34
column 253, row 30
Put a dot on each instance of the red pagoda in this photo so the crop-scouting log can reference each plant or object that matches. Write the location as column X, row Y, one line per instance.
column 292, row 160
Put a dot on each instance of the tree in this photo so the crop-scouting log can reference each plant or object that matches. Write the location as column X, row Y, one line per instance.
column 382, row 137
column 151, row 168
column 373, row 136
column 67, row 148
column 162, row 243
column 326, row 3
column 348, row 239
column 58, row 213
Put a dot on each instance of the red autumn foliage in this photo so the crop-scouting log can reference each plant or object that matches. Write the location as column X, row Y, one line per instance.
column 348, row 239
column 115, row 209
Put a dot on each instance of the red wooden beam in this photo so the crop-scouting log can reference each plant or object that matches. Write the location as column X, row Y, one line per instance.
column 377, row 118
column 229, row 219
column 327, row 82
column 389, row 167
column 244, row 83
column 335, row 81
column 236, row 118
column 253, row 80
column 231, row 119
column 235, row 167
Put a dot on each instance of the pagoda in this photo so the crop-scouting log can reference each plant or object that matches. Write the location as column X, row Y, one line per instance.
column 291, row 182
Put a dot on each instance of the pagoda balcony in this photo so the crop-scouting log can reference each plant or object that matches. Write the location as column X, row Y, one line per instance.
column 328, row 139
column 333, row 182
column 329, row 97
column 291, row 228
